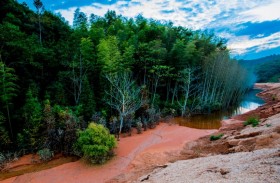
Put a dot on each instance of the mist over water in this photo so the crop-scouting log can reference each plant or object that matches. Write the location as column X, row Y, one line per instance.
column 213, row 121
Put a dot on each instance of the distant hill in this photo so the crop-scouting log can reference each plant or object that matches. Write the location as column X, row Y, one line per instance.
column 266, row 69
column 252, row 64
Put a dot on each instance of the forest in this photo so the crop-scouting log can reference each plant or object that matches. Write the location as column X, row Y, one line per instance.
column 115, row 71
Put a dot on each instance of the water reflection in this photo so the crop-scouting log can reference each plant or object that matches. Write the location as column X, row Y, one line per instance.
column 213, row 121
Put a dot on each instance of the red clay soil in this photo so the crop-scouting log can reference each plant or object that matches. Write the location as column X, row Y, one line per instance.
column 139, row 150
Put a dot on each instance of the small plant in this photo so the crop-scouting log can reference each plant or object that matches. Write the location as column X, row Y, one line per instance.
column 45, row 154
column 268, row 125
column 2, row 161
column 216, row 137
column 95, row 143
column 139, row 126
column 254, row 121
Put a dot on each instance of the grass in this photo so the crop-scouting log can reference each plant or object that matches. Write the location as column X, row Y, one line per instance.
column 216, row 137
column 254, row 121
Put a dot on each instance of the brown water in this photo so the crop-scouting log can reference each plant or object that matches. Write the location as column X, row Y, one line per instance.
column 213, row 121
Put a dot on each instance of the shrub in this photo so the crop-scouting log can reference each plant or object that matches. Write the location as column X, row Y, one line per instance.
column 95, row 143
column 216, row 137
column 45, row 154
column 139, row 126
column 2, row 161
column 254, row 121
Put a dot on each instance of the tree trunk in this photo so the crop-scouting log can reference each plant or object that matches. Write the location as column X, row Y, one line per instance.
column 9, row 119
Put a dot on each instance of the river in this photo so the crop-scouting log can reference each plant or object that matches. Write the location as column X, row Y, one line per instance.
column 213, row 120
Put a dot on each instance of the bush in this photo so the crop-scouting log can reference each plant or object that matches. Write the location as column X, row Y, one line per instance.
column 216, row 137
column 252, row 121
column 2, row 161
column 45, row 154
column 95, row 143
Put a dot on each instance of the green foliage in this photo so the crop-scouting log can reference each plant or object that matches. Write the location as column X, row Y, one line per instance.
column 254, row 121
column 8, row 89
column 30, row 137
column 45, row 154
column 4, row 136
column 68, row 64
column 96, row 143
column 216, row 137
column 269, row 71
column 109, row 56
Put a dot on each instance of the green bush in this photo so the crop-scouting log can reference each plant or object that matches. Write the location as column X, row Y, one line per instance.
column 45, row 154
column 216, row 137
column 254, row 121
column 95, row 143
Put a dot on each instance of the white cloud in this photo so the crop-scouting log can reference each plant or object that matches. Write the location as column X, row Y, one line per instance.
column 204, row 14
column 267, row 12
column 242, row 44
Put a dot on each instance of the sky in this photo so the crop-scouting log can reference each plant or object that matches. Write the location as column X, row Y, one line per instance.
column 252, row 27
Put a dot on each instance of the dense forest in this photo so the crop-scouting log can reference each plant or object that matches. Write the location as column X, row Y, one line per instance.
column 116, row 71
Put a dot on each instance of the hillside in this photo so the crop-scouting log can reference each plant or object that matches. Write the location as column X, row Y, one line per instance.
column 256, row 62
column 265, row 69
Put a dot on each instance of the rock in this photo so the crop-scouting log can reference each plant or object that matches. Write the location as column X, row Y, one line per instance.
column 233, row 142
column 253, row 134
column 224, row 171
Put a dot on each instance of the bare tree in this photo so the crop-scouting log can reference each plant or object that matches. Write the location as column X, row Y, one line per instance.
column 186, row 79
column 125, row 95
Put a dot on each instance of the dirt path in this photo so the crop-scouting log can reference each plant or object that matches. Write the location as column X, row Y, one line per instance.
column 165, row 141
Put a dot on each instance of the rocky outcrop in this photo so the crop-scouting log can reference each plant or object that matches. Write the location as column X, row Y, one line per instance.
column 258, row 166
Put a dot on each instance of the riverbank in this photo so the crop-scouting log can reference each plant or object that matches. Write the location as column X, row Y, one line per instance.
column 243, row 154
column 148, row 150
column 139, row 155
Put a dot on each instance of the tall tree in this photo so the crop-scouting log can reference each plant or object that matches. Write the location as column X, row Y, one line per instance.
column 8, row 89
column 187, row 88
column 40, row 9
column 80, row 66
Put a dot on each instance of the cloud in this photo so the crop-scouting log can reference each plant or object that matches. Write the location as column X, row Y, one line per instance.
column 248, row 25
column 267, row 12
column 243, row 44
column 196, row 14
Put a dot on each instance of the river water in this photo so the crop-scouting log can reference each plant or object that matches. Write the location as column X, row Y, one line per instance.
column 213, row 120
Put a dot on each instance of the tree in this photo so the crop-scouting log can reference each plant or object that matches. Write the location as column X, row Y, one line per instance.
column 80, row 66
column 158, row 72
column 186, row 79
column 109, row 56
column 32, row 115
column 125, row 95
column 80, row 19
column 40, row 9
column 8, row 89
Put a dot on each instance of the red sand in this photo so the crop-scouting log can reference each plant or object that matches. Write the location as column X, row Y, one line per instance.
column 131, row 151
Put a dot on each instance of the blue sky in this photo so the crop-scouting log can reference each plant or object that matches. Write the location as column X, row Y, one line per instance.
column 252, row 27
